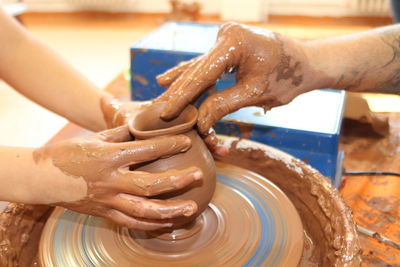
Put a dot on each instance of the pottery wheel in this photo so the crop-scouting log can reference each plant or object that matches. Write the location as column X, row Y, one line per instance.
column 249, row 222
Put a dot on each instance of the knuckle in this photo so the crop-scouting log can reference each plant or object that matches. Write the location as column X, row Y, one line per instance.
column 146, row 186
column 230, row 27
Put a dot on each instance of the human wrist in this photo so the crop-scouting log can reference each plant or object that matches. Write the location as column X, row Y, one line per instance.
column 315, row 66
column 30, row 179
column 296, row 71
column 324, row 63
column 48, row 184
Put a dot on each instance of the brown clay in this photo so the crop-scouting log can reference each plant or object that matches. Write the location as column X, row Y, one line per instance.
column 116, row 112
column 331, row 237
column 230, row 232
column 271, row 71
column 148, row 124
column 330, row 233
column 114, row 191
column 20, row 229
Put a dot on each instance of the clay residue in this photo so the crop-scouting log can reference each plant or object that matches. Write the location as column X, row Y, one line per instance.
column 380, row 212
column 140, row 79
column 245, row 129
column 148, row 124
column 376, row 262
column 289, row 69
column 129, row 198
column 271, row 71
column 326, row 218
column 384, row 204
column 20, row 230
column 116, row 112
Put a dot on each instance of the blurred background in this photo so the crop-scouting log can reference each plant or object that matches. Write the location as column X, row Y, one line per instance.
column 95, row 36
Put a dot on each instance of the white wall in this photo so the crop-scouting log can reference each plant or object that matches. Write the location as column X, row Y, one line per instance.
column 282, row 7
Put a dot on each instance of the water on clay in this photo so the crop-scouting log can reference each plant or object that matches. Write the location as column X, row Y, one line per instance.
column 248, row 222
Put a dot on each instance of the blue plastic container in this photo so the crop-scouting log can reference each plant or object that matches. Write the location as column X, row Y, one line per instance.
column 307, row 128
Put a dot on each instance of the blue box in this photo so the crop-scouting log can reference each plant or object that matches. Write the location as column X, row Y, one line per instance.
column 307, row 128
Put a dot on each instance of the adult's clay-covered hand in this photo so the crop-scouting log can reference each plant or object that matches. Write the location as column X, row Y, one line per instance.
column 272, row 69
column 268, row 74
column 98, row 165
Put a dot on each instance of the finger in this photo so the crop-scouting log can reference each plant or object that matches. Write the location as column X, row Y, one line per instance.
column 213, row 145
column 229, row 100
column 165, row 79
column 197, row 79
column 136, row 223
column 151, row 149
column 139, row 207
column 152, row 184
column 116, row 135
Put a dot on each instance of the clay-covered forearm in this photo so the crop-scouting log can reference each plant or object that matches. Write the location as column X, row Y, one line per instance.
column 26, row 180
column 40, row 74
column 364, row 62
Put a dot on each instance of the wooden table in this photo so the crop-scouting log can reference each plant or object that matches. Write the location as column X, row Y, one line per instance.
column 375, row 200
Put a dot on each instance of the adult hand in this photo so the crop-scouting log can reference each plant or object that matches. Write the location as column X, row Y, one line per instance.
column 269, row 73
column 110, row 189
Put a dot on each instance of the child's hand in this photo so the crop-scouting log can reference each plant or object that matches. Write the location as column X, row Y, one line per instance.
column 109, row 188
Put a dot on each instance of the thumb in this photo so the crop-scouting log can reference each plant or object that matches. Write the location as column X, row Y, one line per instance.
column 116, row 135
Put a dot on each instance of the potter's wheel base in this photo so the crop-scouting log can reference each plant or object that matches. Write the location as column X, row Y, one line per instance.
column 249, row 221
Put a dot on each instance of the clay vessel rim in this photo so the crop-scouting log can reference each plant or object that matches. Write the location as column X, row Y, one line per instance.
column 154, row 110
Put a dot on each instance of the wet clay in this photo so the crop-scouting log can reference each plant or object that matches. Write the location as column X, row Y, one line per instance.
column 114, row 191
column 148, row 124
column 20, row 229
column 249, row 222
column 116, row 112
column 330, row 234
column 332, row 239
column 271, row 70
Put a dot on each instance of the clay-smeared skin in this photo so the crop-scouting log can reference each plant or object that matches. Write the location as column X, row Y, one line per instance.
column 20, row 229
column 273, row 69
column 115, row 192
column 148, row 124
column 269, row 73
column 325, row 217
column 116, row 112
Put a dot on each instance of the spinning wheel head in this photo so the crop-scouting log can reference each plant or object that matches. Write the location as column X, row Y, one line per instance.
column 248, row 222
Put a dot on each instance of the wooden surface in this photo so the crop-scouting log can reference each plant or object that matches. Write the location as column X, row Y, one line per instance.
column 375, row 200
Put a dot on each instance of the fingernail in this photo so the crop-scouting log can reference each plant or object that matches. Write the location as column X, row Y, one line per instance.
column 198, row 175
column 189, row 210
column 186, row 142
column 164, row 115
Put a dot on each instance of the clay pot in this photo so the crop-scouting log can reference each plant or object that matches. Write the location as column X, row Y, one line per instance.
column 148, row 124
